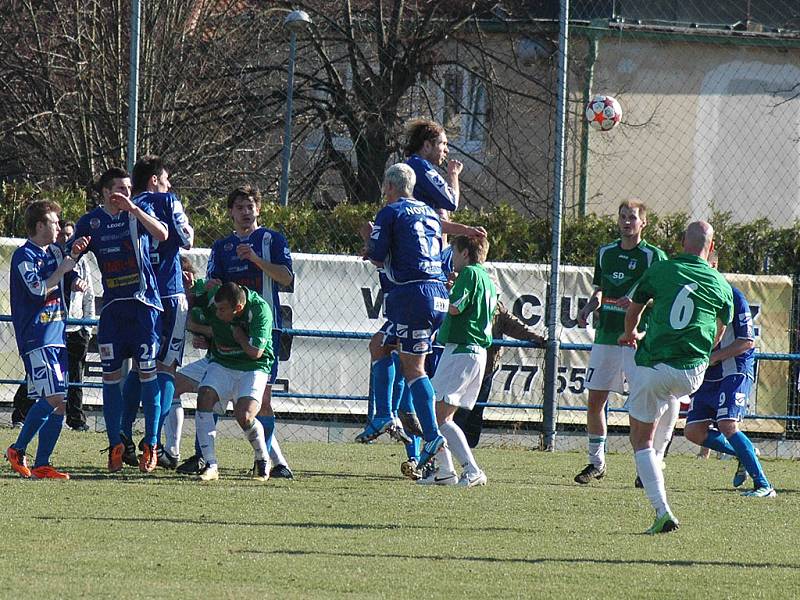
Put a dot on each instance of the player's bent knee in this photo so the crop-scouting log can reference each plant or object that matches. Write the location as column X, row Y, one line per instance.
column 728, row 427
column 206, row 399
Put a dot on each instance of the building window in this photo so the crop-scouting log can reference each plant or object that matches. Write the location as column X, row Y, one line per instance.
column 464, row 112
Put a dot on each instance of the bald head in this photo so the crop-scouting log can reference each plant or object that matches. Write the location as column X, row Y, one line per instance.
column 698, row 239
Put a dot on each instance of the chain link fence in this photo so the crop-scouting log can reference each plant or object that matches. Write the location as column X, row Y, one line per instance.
column 709, row 129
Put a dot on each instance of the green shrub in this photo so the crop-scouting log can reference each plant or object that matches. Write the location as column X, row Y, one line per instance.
column 756, row 247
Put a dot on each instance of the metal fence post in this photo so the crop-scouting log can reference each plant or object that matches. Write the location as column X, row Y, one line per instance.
column 551, row 358
column 133, row 92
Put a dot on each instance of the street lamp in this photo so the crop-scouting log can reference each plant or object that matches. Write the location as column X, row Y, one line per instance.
column 296, row 21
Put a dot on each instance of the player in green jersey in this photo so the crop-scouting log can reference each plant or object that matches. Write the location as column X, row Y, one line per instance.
column 239, row 324
column 691, row 306
column 618, row 267
column 466, row 334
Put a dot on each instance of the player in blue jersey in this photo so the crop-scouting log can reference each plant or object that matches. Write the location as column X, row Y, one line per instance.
column 38, row 312
column 258, row 259
column 721, row 401
column 120, row 234
column 406, row 242
column 151, row 189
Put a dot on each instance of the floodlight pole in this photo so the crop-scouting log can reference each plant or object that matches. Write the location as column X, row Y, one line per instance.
column 295, row 21
column 553, row 312
column 133, row 88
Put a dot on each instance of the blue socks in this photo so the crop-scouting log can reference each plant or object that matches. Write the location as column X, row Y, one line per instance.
column 112, row 411
column 48, row 436
column 716, row 441
column 34, row 421
column 383, row 374
column 151, row 407
column 166, row 384
column 132, row 396
column 412, row 449
column 399, row 384
column 422, row 396
column 747, row 454
column 268, row 423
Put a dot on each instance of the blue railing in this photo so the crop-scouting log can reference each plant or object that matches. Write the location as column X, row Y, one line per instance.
column 357, row 335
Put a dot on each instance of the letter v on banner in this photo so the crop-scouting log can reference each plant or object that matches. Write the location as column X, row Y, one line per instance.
column 373, row 308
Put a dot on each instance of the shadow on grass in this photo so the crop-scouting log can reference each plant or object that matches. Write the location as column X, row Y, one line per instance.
column 532, row 561
column 299, row 525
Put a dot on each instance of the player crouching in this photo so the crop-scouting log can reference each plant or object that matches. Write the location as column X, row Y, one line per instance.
column 240, row 360
column 466, row 334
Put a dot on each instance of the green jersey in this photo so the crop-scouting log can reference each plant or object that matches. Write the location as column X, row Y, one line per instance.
column 255, row 320
column 475, row 296
column 688, row 298
column 616, row 273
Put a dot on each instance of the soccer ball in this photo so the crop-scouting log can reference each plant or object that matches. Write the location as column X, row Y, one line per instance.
column 603, row 112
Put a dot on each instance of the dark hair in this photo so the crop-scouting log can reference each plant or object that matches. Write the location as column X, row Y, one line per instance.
column 477, row 248
column 232, row 293
column 186, row 265
column 245, row 191
column 36, row 211
column 104, row 183
column 419, row 131
column 145, row 168
column 62, row 223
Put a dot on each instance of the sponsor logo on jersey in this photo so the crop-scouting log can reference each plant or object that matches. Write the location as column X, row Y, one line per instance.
column 421, row 347
column 116, row 225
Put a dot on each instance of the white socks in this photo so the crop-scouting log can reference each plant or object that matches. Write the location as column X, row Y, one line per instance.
column 664, row 428
column 649, row 469
column 457, row 443
column 173, row 428
column 597, row 450
column 255, row 435
column 206, row 435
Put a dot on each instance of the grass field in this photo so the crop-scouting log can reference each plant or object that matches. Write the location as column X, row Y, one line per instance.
column 349, row 526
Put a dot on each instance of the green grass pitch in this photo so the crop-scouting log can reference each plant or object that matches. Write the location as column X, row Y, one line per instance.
column 350, row 526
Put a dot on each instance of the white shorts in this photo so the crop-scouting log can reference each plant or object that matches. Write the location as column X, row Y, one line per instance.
column 654, row 388
column 195, row 370
column 609, row 368
column 232, row 385
column 458, row 377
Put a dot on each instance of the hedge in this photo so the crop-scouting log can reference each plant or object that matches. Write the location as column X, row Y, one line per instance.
column 756, row 247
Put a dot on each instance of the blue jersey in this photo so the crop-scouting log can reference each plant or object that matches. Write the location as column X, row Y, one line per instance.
column 741, row 328
column 225, row 265
column 38, row 317
column 165, row 256
column 447, row 262
column 121, row 245
column 431, row 188
column 407, row 239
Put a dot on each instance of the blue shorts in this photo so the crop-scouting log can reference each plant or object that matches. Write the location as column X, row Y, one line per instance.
column 721, row 400
column 128, row 329
column 387, row 329
column 276, row 350
column 46, row 371
column 432, row 360
column 172, row 330
column 416, row 311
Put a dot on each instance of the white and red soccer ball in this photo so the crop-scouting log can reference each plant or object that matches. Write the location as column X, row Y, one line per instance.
column 603, row 113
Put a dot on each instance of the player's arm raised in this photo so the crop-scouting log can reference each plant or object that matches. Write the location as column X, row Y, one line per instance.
column 154, row 227
column 278, row 273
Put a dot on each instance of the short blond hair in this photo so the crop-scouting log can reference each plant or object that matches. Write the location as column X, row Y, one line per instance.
column 634, row 203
